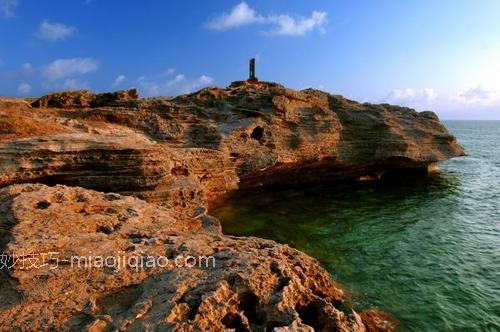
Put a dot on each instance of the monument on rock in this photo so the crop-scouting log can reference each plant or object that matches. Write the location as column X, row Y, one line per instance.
column 251, row 76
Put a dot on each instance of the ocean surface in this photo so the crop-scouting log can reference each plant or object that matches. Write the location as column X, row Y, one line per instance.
column 427, row 251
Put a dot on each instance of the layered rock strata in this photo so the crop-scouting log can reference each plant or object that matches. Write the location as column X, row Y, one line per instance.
column 216, row 140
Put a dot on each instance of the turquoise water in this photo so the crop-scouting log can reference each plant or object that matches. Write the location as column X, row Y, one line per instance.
column 427, row 251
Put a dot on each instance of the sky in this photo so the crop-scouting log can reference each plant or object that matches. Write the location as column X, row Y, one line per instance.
column 442, row 55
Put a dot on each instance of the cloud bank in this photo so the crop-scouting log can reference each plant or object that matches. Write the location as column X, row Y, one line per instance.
column 480, row 95
column 411, row 96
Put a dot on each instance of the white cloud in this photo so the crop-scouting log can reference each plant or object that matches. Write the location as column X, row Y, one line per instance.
column 282, row 24
column 411, row 96
column 287, row 25
column 479, row 95
column 55, row 31
column 119, row 80
column 27, row 66
column 166, row 85
column 7, row 7
column 239, row 15
column 63, row 68
column 23, row 88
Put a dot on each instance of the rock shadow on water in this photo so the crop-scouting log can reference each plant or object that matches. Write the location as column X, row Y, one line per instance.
column 262, row 211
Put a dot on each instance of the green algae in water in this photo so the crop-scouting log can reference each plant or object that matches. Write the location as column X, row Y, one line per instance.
column 427, row 251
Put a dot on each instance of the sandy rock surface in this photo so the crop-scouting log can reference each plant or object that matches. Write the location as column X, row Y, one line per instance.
column 244, row 283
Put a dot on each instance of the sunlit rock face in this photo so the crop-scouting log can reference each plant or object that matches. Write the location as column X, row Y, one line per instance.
column 115, row 175
column 231, row 283
column 196, row 147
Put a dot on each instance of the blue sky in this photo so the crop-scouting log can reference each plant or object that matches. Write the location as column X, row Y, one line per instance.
column 438, row 55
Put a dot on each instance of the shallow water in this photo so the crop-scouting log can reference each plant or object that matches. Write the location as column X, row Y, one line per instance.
column 427, row 251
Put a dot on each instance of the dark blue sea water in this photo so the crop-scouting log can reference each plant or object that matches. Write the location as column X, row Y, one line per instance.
column 427, row 251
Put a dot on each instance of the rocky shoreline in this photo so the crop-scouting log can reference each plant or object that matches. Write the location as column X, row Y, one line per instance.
column 115, row 175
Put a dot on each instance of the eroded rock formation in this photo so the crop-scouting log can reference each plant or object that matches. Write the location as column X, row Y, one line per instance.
column 250, row 284
column 216, row 140
column 181, row 154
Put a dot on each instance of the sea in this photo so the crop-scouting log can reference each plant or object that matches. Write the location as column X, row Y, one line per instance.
column 426, row 250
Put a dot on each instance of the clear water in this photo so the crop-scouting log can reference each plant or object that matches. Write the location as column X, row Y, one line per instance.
column 427, row 251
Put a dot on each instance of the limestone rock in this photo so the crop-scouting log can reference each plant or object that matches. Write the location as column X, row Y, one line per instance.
column 252, row 283
column 215, row 140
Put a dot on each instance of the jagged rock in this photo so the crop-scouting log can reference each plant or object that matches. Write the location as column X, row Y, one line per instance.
column 252, row 283
column 376, row 320
column 84, row 98
column 118, row 98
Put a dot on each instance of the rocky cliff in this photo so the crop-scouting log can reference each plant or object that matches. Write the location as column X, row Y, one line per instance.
column 213, row 141
column 179, row 155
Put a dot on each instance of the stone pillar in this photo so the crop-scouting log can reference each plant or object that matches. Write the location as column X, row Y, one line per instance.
column 252, row 70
